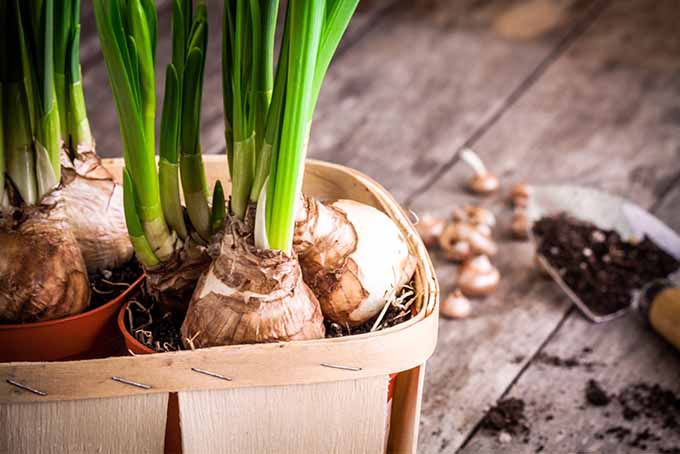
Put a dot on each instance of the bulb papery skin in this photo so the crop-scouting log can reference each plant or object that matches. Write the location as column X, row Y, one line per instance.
column 353, row 257
column 250, row 295
column 42, row 272
column 92, row 204
column 171, row 283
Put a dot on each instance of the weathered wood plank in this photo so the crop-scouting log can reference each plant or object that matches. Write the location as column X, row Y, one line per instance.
column 624, row 352
column 430, row 74
column 594, row 117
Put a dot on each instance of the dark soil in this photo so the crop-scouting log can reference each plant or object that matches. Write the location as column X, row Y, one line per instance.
column 507, row 416
column 571, row 362
column 152, row 327
column 653, row 410
column 595, row 395
column 568, row 363
column 597, row 264
column 106, row 285
column 161, row 330
column 643, row 400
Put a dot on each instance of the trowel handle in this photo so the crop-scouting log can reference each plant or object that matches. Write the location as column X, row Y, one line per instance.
column 662, row 310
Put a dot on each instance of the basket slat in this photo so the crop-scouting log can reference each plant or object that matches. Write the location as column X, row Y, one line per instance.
column 339, row 417
column 105, row 426
column 379, row 353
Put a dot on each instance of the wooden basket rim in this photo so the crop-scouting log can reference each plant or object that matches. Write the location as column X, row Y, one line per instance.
column 392, row 350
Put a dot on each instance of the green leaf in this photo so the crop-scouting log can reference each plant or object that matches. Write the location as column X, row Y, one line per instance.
column 305, row 20
column 191, row 102
column 178, row 37
column 337, row 20
column 218, row 208
column 138, row 239
column 170, row 116
column 152, row 24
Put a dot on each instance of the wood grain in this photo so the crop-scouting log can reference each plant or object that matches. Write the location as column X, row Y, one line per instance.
column 339, row 417
column 624, row 352
column 107, row 426
column 403, row 435
column 595, row 117
column 400, row 104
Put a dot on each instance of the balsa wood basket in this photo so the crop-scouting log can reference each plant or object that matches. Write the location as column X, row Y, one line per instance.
column 281, row 398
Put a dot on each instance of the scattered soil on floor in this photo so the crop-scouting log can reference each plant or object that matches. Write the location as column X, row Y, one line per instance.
column 519, row 359
column 595, row 395
column 653, row 410
column 106, row 285
column 568, row 363
column 507, row 416
column 597, row 264
column 651, row 401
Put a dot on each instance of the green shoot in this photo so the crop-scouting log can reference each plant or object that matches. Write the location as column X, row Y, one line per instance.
column 191, row 163
column 127, row 35
column 128, row 30
column 168, row 164
column 218, row 208
column 285, row 181
column 136, row 232
column 36, row 36
column 78, row 126
column 19, row 157
column 267, row 119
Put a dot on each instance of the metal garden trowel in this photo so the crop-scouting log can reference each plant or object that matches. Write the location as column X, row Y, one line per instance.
column 658, row 301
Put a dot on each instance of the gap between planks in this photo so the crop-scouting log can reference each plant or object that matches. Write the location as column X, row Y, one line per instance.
column 528, row 364
column 577, row 30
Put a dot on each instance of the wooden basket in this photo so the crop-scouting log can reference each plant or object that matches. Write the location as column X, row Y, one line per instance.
column 280, row 398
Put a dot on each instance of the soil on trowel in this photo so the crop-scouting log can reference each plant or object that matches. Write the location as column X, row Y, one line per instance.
column 597, row 264
column 106, row 285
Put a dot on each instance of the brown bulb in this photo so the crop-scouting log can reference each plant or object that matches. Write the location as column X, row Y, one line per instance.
column 483, row 182
column 430, row 228
column 478, row 277
column 520, row 225
column 456, row 305
column 458, row 232
column 520, row 195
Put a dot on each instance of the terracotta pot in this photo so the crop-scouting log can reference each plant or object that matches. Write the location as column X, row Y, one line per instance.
column 173, row 433
column 88, row 335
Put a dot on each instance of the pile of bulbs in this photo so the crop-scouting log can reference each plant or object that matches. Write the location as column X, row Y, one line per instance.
column 467, row 239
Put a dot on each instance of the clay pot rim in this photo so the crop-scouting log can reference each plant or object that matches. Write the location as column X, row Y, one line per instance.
column 117, row 300
column 129, row 338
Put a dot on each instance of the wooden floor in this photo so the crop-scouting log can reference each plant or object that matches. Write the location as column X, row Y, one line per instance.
column 584, row 92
